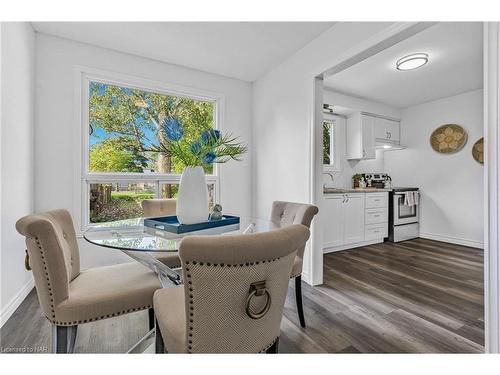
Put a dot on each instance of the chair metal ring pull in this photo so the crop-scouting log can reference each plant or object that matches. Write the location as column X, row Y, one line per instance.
column 258, row 289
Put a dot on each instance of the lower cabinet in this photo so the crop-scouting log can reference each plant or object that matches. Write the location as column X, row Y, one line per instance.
column 375, row 231
column 353, row 220
column 344, row 219
column 354, row 230
column 334, row 220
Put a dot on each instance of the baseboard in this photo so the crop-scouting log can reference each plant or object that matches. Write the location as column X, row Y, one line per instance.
column 14, row 303
column 333, row 249
column 454, row 240
column 306, row 278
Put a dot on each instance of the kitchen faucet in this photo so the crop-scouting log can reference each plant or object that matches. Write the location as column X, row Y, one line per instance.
column 331, row 176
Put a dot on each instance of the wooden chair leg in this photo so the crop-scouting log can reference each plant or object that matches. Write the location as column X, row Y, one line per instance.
column 298, row 298
column 159, row 343
column 151, row 316
column 273, row 349
column 63, row 339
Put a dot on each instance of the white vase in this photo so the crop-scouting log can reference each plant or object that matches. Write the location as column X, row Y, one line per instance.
column 192, row 201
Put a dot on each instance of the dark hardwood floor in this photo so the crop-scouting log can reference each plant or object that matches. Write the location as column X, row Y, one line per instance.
column 418, row 296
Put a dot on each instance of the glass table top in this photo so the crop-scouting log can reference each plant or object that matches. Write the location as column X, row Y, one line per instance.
column 132, row 235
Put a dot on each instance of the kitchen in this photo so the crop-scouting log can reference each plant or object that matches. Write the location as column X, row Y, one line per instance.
column 402, row 174
column 378, row 137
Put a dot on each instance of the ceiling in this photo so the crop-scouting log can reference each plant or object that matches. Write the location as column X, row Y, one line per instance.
column 455, row 66
column 242, row 50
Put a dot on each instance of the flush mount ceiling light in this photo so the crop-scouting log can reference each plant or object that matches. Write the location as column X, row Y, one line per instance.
column 413, row 61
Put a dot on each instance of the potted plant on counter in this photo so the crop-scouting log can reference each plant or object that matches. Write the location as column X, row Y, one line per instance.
column 211, row 147
column 357, row 180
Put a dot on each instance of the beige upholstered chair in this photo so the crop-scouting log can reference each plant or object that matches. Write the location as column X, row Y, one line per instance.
column 162, row 207
column 159, row 207
column 233, row 294
column 70, row 297
column 285, row 214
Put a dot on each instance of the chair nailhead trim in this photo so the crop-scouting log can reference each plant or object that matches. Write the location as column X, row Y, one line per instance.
column 190, row 325
column 78, row 321
column 47, row 278
column 271, row 344
column 101, row 317
column 191, row 308
column 230, row 265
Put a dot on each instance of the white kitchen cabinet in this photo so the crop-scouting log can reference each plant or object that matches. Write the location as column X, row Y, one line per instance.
column 366, row 132
column 375, row 231
column 376, row 215
column 354, row 220
column 386, row 130
column 376, row 200
column 334, row 220
column 344, row 219
column 360, row 137
column 354, row 230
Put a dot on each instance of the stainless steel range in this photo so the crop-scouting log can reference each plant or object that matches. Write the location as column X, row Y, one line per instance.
column 403, row 214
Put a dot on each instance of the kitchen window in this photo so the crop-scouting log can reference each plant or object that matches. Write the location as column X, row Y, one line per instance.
column 331, row 136
column 122, row 125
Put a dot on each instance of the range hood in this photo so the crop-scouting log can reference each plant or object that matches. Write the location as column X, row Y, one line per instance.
column 381, row 144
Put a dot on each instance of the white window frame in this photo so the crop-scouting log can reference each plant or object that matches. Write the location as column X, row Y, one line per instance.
column 83, row 177
column 335, row 132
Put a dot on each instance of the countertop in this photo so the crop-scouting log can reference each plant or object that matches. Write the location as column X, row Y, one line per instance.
column 349, row 191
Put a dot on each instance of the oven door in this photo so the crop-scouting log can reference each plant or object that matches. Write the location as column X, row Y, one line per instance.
column 404, row 214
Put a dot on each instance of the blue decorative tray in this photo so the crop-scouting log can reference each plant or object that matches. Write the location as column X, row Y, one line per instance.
column 171, row 224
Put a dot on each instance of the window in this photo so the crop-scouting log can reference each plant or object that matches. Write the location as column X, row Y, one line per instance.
column 118, row 200
column 328, row 142
column 123, row 125
column 331, row 132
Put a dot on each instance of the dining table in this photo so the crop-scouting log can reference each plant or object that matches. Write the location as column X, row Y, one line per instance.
column 142, row 243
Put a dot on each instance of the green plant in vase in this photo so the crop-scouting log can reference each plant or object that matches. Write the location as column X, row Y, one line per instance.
column 356, row 179
column 211, row 147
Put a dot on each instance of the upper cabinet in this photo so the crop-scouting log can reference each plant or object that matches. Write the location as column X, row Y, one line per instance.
column 366, row 132
column 386, row 130
column 360, row 137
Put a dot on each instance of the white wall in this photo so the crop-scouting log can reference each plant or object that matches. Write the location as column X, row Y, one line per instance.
column 17, row 96
column 56, row 127
column 451, row 185
column 282, row 111
column 282, row 114
column 343, row 179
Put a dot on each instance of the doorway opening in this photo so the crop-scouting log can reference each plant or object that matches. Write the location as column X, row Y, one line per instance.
column 404, row 272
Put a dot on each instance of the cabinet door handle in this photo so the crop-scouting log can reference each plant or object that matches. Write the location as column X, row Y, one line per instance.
column 364, row 153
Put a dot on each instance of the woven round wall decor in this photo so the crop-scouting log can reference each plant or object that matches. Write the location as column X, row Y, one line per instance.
column 448, row 139
column 478, row 151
